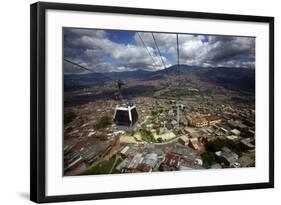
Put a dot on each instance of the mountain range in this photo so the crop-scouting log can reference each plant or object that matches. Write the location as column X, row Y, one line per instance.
column 241, row 79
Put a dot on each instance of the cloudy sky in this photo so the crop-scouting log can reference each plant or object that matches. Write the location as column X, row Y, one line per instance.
column 109, row 50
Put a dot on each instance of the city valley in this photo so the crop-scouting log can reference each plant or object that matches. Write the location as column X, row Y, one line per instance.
column 171, row 123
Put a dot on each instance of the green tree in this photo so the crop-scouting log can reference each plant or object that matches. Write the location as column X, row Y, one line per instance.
column 158, row 131
column 69, row 116
column 159, row 140
column 208, row 159
column 146, row 135
column 218, row 144
column 103, row 122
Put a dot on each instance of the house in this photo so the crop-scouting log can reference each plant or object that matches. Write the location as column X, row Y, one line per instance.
column 237, row 124
column 183, row 122
column 75, row 162
column 194, row 134
column 184, row 140
column 199, row 122
column 235, row 132
column 150, row 126
column 227, row 157
column 213, row 119
column 202, row 121
column 196, row 144
column 233, row 138
column 123, row 164
column 171, row 162
column 150, row 160
column 250, row 133
column 225, row 131
column 129, row 152
column 137, row 159
column 124, row 151
column 248, row 143
column 143, row 168
column 233, row 123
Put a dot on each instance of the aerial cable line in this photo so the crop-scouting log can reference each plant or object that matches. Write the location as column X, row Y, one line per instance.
column 119, row 82
column 158, row 50
column 147, row 50
column 76, row 64
column 83, row 67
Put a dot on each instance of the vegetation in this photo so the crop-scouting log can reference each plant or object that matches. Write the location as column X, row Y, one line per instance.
column 218, row 144
column 151, row 119
column 246, row 99
column 208, row 159
column 158, row 130
column 246, row 160
column 154, row 113
column 118, row 161
column 132, row 132
column 160, row 140
column 69, row 116
column 103, row 122
column 104, row 167
column 215, row 90
column 147, row 136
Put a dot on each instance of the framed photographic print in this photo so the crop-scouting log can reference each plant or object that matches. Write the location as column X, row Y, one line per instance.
column 129, row 102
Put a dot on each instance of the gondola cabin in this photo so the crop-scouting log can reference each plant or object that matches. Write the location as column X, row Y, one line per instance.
column 126, row 115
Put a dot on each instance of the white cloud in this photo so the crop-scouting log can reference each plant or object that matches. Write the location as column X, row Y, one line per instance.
column 130, row 55
column 93, row 48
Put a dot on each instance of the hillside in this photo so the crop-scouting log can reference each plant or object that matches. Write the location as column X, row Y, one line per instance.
column 240, row 79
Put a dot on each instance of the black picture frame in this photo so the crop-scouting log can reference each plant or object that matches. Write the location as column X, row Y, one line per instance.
column 38, row 101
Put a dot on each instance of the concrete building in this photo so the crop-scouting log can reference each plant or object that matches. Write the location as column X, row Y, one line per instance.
column 199, row 122
column 170, row 162
column 234, row 138
column 213, row 119
column 184, row 140
column 227, row 157
column 150, row 160
column 235, row 132
column 248, row 143
column 197, row 145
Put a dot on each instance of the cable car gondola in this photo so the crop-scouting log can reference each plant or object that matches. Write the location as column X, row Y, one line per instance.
column 125, row 114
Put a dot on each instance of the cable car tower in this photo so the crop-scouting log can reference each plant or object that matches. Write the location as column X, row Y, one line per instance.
column 179, row 106
column 177, row 103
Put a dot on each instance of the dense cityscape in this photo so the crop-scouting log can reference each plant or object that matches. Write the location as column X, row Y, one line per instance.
column 198, row 132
